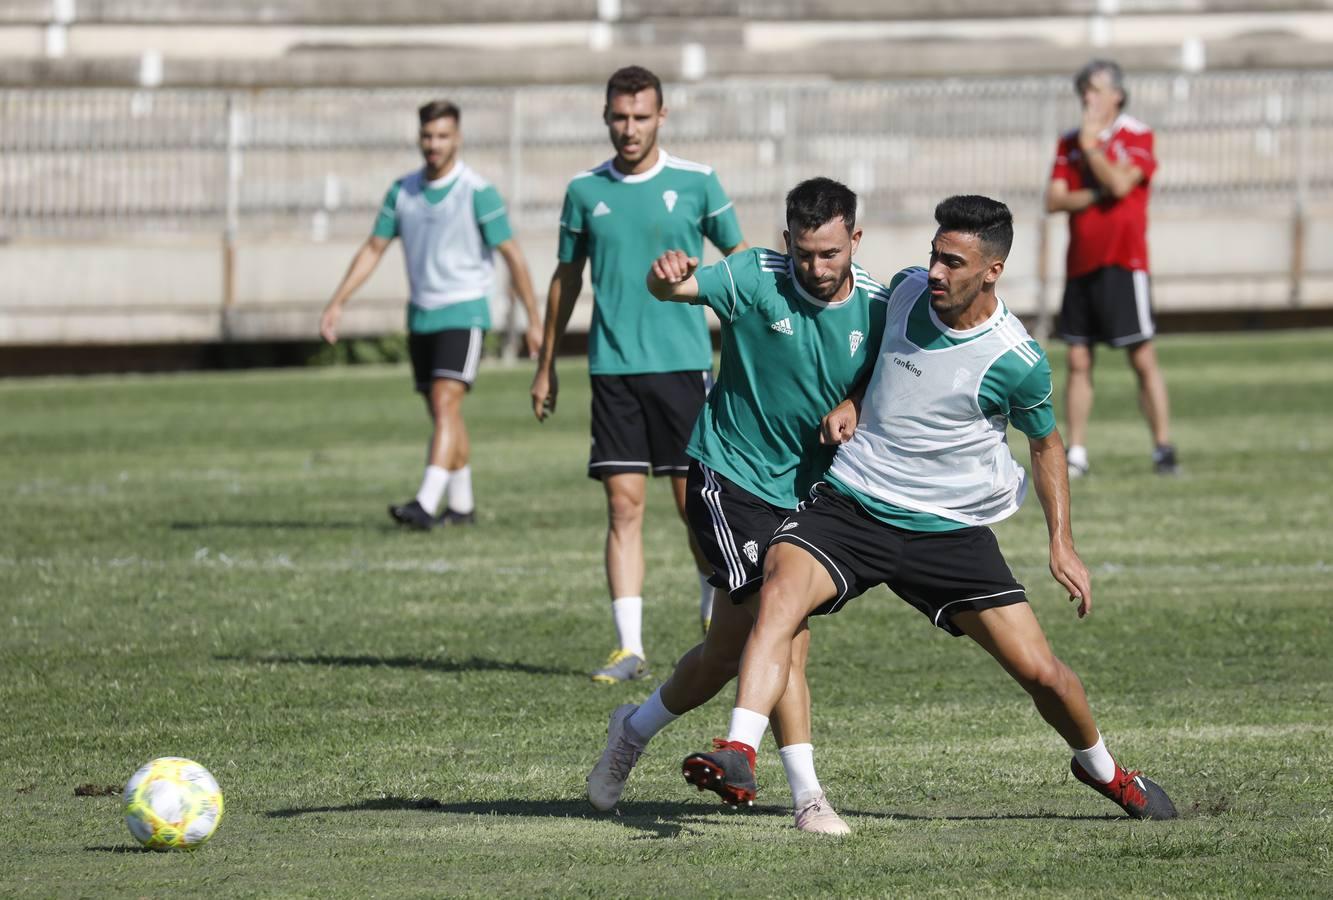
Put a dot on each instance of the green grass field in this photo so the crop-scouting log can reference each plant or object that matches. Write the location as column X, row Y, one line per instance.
column 201, row 565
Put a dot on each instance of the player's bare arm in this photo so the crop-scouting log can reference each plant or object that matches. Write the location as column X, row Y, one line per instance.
column 739, row 248
column 363, row 264
column 1116, row 178
column 520, row 282
column 1059, row 198
column 1050, row 475
column 566, row 285
column 839, row 426
column 671, row 276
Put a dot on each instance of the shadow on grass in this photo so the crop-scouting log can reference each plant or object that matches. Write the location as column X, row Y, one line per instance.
column 471, row 664
column 118, row 848
column 658, row 820
column 294, row 524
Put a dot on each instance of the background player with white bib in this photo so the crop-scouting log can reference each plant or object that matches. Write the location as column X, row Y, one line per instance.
column 450, row 219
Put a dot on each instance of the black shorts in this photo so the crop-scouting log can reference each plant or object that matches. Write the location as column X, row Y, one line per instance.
column 940, row 573
column 453, row 353
column 641, row 423
column 732, row 527
column 1111, row 305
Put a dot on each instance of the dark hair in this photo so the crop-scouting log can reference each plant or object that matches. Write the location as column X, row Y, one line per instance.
column 819, row 200
column 439, row 109
column 1084, row 77
column 631, row 80
column 990, row 220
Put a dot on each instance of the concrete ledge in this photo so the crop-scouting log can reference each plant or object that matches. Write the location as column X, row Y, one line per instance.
column 446, row 66
column 391, row 12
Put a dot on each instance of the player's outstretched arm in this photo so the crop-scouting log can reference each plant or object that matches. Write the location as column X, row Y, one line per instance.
column 566, row 285
column 520, row 281
column 671, row 277
column 1050, row 474
column 363, row 263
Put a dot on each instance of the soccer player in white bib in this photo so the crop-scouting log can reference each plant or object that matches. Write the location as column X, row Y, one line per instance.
column 800, row 331
column 650, row 362
column 450, row 220
column 921, row 471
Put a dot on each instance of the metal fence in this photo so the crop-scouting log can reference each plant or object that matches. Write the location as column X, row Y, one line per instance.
column 116, row 162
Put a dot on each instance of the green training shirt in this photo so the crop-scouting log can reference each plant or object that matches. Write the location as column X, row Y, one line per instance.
column 788, row 358
column 621, row 223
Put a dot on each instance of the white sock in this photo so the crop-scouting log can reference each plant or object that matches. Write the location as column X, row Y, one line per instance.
column 799, row 761
column 705, row 599
column 1077, row 456
column 1096, row 761
column 747, row 727
column 650, row 718
column 460, row 490
column 628, row 613
column 432, row 488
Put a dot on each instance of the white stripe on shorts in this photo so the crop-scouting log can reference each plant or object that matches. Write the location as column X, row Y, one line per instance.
column 711, row 493
column 1143, row 303
column 473, row 356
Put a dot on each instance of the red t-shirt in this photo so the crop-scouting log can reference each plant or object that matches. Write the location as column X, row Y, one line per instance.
column 1112, row 232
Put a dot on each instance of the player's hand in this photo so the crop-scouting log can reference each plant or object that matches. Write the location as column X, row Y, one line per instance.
column 838, row 426
column 1073, row 576
column 533, row 339
column 674, row 266
column 328, row 323
column 1098, row 115
column 545, row 386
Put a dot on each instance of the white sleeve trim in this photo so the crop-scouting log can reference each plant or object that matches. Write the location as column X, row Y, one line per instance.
column 719, row 210
column 568, row 227
column 1039, row 402
column 495, row 214
column 731, row 316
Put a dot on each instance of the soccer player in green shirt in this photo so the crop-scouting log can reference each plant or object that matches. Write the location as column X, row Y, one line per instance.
column 450, row 219
column 650, row 362
column 800, row 331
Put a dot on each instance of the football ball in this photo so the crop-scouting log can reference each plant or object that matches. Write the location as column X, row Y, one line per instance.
column 172, row 804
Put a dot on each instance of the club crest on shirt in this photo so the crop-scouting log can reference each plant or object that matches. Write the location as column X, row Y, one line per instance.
column 669, row 198
column 960, row 378
column 854, row 340
column 751, row 552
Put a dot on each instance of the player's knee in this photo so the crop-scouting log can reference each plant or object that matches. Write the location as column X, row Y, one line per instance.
column 1043, row 674
column 624, row 509
column 782, row 603
column 1080, row 361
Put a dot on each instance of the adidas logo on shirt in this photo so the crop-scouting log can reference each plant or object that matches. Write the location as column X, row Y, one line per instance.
column 782, row 326
column 601, row 209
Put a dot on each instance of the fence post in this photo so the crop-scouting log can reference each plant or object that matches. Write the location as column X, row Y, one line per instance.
column 231, row 225
column 1051, row 134
column 1299, row 204
column 513, row 338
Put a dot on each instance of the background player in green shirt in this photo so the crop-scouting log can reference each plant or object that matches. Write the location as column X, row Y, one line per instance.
column 799, row 332
column 449, row 219
column 650, row 362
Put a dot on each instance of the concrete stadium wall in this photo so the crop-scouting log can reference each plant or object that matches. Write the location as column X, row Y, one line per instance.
column 164, row 291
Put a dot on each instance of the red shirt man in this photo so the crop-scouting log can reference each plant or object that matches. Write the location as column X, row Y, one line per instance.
column 1101, row 177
